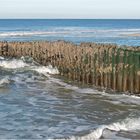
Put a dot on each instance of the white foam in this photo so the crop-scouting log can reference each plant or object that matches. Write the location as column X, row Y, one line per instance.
column 4, row 81
column 125, row 125
column 13, row 64
column 31, row 33
column 45, row 70
column 71, row 31
column 14, row 34
column 1, row 58
column 21, row 63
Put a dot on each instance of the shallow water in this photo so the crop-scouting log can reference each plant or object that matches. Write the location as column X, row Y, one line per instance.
column 36, row 104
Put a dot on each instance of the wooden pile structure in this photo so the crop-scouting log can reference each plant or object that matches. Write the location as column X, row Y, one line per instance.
column 102, row 65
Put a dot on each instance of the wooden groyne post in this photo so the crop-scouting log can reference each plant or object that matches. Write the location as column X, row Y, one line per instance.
column 102, row 65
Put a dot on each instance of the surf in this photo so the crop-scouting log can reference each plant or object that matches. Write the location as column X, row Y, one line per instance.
column 128, row 124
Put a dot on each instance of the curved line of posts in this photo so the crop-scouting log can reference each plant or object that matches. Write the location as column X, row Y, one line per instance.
column 102, row 65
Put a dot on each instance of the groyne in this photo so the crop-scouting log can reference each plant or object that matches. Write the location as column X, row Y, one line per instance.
column 102, row 65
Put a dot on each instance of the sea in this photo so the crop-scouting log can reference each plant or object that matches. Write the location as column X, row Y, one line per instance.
column 36, row 103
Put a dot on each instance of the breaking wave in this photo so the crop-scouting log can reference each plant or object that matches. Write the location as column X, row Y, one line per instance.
column 12, row 64
column 31, row 33
column 46, row 70
column 71, row 31
column 1, row 58
column 29, row 63
column 125, row 125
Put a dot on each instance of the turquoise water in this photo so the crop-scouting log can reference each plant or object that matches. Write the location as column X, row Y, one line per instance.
column 122, row 32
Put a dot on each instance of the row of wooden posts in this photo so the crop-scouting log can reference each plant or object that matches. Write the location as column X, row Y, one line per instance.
column 102, row 65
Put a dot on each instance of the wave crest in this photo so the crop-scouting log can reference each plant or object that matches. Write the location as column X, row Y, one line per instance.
column 30, row 64
column 125, row 125
column 13, row 64
column 46, row 70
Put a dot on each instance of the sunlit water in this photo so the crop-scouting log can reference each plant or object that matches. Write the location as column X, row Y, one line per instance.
column 36, row 104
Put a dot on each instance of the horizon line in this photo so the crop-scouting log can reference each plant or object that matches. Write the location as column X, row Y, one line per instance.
column 70, row 18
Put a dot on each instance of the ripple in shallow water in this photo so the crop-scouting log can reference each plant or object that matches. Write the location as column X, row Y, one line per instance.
column 41, row 106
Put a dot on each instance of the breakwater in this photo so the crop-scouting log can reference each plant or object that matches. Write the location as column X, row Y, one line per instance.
column 102, row 65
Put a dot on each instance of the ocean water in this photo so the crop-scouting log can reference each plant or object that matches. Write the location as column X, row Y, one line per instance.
column 121, row 32
column 36, row 103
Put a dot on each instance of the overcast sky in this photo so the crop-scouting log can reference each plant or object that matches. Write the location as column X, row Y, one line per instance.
column 70, row 9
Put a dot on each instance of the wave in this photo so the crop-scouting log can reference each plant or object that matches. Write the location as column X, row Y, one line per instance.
column 4, row 81
column 13, row 64
column 1, row 58
column 128, row 124
column 29, row 63
column 73, row 31
column 31, row 33
column 46, row 70
column 125, row 98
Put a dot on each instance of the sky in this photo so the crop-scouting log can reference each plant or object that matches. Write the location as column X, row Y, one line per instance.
column 49, row 9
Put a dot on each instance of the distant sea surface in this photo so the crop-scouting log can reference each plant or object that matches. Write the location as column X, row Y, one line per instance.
column 121, row 32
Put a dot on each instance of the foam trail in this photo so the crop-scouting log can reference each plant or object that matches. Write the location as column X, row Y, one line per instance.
column 113, row 98
column 13, row 64
column 125, row 125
